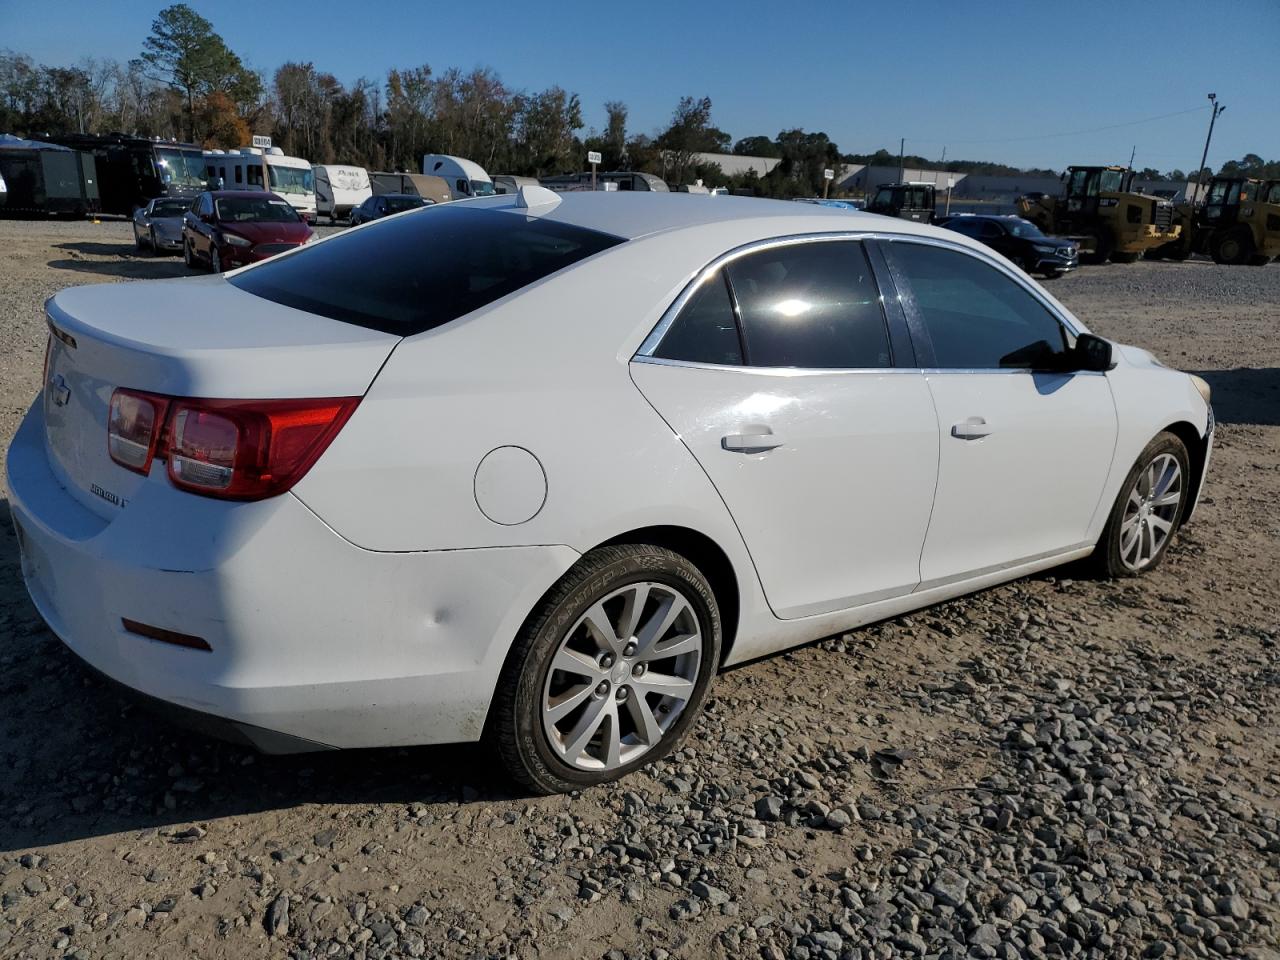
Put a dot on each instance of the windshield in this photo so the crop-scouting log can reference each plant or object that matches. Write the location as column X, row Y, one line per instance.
column 397, row 204
column 180, row 168
column 481, row 188
column 1112, row 181
column 291, row 179
column 254, row 210
column 884, row 198
column 1023, row 228
column 169, row 208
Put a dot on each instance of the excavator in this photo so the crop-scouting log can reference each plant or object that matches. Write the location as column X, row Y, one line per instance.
column 1238, row 223
column 1100, row 208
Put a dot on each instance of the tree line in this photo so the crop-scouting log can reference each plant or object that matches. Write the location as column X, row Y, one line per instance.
column 188, row 84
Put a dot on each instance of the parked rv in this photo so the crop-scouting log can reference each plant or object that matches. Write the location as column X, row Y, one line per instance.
column 465, row 177
column 619, row 179
column 434, row 189
column 43, row 178
column 241, row 169
column 503, row 183
column 133, row 170
column 339, row 190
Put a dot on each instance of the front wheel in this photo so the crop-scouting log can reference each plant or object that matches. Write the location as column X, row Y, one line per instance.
column 609, row 672
column 188, row 256
column 1148, row 510
column 215, row 260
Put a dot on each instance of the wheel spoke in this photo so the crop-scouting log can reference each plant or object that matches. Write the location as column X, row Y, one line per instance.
column 661, row 621
column 1128, row 543
column 665, row 684
column 676, row 646
column 629, row 622
column 561, row 706
column 1170, row 499
column 647, row 728
column 1160, row 523
column 575, row 663
column 602, row 631
column 612, row 741
column 576, row 740
column 1135, row 498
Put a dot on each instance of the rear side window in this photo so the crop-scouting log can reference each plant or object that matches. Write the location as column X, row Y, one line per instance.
column 417, row 272
column 810, row 305
column 705, row 331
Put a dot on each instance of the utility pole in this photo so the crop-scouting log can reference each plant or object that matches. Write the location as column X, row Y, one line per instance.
column 1213, row 116
column 1132, row 153
column 902, row 147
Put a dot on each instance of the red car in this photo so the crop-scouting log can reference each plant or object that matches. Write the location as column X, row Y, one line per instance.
column 229, row 228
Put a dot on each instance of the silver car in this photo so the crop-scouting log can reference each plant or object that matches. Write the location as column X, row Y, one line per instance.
column 158, row 226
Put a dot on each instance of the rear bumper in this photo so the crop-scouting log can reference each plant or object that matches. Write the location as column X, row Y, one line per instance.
column 312, row 638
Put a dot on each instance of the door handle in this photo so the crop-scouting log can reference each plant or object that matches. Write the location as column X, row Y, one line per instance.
column 753, row 441
column 974, row 428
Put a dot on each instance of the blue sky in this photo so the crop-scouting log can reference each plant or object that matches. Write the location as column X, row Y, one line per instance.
column 1027, row 83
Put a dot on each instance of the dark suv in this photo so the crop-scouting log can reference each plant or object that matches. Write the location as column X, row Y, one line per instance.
column 1019, row 240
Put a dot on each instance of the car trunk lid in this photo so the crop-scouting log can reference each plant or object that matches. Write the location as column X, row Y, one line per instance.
column 187, row 338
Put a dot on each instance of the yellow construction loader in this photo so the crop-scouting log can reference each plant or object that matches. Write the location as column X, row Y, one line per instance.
column 1238, row 223
column 1100, row 209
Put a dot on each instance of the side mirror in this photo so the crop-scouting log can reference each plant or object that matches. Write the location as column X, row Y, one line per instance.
column 1093, row 353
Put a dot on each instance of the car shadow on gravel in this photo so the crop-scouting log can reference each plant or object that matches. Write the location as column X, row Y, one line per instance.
column 1246, row 395
column 83, row 761
column 126, row 261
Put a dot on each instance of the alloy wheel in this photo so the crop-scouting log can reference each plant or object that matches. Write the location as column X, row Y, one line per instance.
column 1150, row 512
column 621, row 676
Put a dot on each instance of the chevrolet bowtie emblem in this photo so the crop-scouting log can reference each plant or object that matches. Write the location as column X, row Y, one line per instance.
column 61, row 392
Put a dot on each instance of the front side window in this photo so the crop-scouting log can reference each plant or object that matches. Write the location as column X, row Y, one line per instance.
column 976, row 317
column 810, row 305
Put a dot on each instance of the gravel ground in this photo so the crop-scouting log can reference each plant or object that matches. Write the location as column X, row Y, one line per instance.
column 1057, row 767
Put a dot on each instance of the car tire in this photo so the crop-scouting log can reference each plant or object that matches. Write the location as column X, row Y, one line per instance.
column 215, row 260
column 151, row 242
column 1147, row 512
column 558, row 729
column 138, row 243
column 1052, row 274
column 188, row 256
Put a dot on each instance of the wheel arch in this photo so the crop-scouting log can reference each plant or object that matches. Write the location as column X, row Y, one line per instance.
column 1197, row 453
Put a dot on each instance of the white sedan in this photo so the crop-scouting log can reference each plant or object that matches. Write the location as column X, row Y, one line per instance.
column 532, row 468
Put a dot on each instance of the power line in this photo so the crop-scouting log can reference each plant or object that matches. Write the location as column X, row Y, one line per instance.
column 1069, row 133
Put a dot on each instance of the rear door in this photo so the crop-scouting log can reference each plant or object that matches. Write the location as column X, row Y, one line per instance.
column 778, row 372
column 1024, row 453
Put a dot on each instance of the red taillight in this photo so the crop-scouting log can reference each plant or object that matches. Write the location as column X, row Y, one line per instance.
column 134, row 427
column 236, row 449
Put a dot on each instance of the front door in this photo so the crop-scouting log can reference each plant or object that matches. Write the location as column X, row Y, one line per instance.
column 778, row 376
column 1024, row 452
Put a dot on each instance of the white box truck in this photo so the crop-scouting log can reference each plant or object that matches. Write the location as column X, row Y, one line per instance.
column 465, row 178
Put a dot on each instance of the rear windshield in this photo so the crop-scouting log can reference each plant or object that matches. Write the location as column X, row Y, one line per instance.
column 419, row 271
column 400, row 204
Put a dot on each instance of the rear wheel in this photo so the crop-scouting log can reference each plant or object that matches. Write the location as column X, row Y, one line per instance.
column 1232, row 247
column 609, row 672
column 1120, row 256
column 188, row 256
column 215, row 260
column 151, row 241
column 1148, row 510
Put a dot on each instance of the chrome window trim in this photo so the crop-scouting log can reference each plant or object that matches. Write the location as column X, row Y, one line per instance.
column 651, row 342
column 773, row 371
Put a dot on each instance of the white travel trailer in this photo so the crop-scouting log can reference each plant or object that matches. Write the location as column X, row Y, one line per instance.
column 465, row 178
column 291, row 177
column 339, row 190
